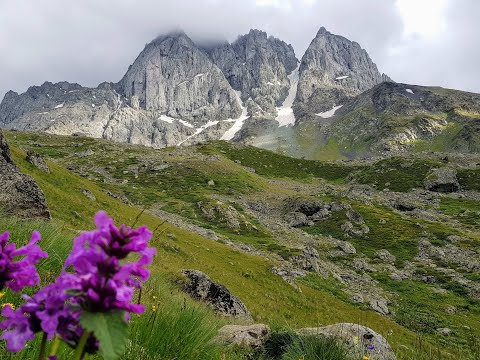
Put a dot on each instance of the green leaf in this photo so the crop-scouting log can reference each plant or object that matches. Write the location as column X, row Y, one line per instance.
column 110, row 329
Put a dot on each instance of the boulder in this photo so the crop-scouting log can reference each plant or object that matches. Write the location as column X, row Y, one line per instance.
column 385, row 256
column 88, row 194
column 346, row 247
column 442, row 180
column 249, row 336
column 355, row 217
column 297, row 219
column 444, row 331
column 360, row 340
column 217, row 296
column 403, row 205
column 19, row 193
column 37, row 160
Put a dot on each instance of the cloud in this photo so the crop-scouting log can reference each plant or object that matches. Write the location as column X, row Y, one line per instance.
column 91, row 41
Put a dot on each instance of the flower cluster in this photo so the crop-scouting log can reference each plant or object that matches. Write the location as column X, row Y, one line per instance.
column 100, row 280
column 21, row 273
column 97, row 278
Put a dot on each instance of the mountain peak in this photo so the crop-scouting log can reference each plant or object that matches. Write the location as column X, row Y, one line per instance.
column 322, row 31
column 177, row 34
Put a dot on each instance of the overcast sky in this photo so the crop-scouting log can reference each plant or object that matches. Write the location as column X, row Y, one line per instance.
column 430, row 42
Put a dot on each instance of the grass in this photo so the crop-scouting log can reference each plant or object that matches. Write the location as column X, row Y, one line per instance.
column 269, row 164
column 463, row 210
column 268, row 298
column 396, row 174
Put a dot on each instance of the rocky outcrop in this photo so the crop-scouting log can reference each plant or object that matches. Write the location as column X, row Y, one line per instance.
column 257, row 65
column 217, row 296
column 360, row 340
column 442, row 180
column 19, row 194
column 172, row 76
column 333, row 70
column 37, row 160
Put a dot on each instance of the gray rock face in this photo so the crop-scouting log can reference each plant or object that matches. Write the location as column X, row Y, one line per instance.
column 19, row 193
column 174, row 77
column 442, row 180
column 333, row 70
column 249, row 336
column 357, row 338
column 202, row 288
column 257, row 65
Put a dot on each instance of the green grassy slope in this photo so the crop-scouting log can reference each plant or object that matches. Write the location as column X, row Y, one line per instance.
column 184, row 183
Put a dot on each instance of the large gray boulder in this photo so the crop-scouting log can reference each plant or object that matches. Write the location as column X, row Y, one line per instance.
column 359, row 339
column 19, row 194
column 217, row 296
column 442, row 180
column 248, row 336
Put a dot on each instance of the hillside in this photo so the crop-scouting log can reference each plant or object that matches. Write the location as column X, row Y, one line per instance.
column 301, row 243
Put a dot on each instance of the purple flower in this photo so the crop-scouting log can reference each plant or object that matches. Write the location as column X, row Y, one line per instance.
column 20, row 329
column 21, row 273
column 96, row 278
column 42, row 312
column 102, row 280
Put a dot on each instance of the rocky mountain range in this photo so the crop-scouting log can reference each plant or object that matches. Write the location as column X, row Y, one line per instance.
column 254, row 90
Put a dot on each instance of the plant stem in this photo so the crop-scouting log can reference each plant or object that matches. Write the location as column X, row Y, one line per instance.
column 56, row 343
column 81, row 344
column 43, row 346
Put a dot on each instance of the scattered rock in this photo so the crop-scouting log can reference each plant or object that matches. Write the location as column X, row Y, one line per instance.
column 451, row 310
column 202, row 288
column 362, row 265
column 444, row 331
column 403, row 205
column 118, row 197
column 225, row 214
column 85, row 153
column 355, row 217
column 297, row 219
column 380, row 306
column 346, row 247
column 309, row 260
column 385, row 256
column 349, row 228
column 357, row 338
column 249, row 336
column 37, row 160
column 442, row 180
column 88, row 194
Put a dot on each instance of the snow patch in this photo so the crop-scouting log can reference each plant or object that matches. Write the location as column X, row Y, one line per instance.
column 409, row 91
column 166, row 118
column 285, row 116
column 187, row 124
column 59, row 106
column 329, row 113
column 199, row 130
column 341, row 77
column 238, row 122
